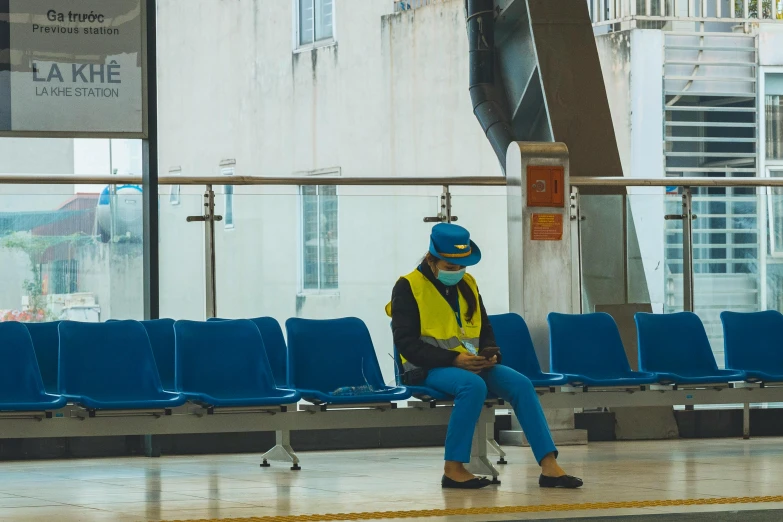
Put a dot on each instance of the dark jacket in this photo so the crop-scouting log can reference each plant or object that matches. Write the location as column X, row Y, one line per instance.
column 406, row 325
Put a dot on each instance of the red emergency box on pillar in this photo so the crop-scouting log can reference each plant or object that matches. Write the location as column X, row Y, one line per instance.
column 545, row 186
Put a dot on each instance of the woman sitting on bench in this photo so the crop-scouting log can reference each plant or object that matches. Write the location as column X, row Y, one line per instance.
column 446, row 342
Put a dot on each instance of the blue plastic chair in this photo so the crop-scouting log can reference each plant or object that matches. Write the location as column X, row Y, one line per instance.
column 420, row 392
column 46, row 342
column 753, row 343
column 276, row 348
column 423, row 393
column 676, row 346
column 21, row 386
column 224, row 363
column 513, row 338
column 589, row 351
column 161, row 335
column 329, row 354
column 111, row 366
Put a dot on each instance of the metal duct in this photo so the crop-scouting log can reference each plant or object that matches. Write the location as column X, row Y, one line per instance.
column 483, row 93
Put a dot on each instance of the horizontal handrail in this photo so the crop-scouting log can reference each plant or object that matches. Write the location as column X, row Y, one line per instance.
column 675, row 182
column 453, row 181
column 67, row 179
column 54, row 179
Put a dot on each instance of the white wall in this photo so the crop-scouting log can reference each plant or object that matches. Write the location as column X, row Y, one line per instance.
column 631, row 62
column 389, row 99
column 647, row 161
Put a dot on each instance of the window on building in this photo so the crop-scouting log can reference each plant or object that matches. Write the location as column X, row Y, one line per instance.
column 65, row 276
column 315, row 21
column 176, row 190
column 773, row 103
column 228, row 215
column 319, row 238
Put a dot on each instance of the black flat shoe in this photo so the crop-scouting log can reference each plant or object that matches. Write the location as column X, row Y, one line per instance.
column 475, row 483
column 566, row 481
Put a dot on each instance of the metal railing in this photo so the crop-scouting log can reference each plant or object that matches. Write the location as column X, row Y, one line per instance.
column 616, row 11
column 209, row 218
column 57, row 179
column 434, row 181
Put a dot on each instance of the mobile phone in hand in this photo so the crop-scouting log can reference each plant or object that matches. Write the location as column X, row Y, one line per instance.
column 489, row 353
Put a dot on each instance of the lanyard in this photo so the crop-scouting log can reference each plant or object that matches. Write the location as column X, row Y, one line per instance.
column 458, row 316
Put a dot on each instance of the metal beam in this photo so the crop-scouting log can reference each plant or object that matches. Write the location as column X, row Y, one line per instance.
column 151, row 234
column 75, row 423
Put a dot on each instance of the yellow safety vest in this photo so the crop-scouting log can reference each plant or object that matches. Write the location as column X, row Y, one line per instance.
column 439, row 326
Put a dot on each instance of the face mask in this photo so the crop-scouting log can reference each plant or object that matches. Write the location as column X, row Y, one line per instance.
column 450, row 278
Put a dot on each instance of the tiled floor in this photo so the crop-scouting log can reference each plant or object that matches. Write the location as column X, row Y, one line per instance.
column 397, row 480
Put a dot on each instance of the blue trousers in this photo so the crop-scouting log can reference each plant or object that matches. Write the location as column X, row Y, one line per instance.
column 470, row 392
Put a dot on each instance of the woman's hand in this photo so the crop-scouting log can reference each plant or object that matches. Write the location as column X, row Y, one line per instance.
column 473, row 363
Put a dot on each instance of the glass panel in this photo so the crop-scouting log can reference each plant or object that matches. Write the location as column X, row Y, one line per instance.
column 328, row 238
column 623, row 242
column 182, row 277
column 774, row 264
column 310, row 239
column 324, row 19
column 306, row 22
column 774, row 128
column 174, row 195
column 775, row 210
column 726, row 257
column 264, row 270
column 228, row 214
column 228, row 191
column 70, row 254
column 483, row 211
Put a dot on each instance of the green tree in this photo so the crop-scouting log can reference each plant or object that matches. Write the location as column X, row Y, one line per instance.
column 35, row 247
column 753, row 8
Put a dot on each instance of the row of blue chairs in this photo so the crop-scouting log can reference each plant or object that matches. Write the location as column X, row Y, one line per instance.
column 237, row 363
column 672, row 348
column 163, row 363
column 587, row 350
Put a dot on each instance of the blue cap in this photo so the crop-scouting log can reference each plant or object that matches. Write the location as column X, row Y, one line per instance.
column 452, row 243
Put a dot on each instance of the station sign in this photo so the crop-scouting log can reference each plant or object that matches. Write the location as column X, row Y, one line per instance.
column 73, row 68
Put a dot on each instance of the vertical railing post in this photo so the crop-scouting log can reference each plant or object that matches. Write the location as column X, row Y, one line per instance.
column 444, row 215
column 210, row 279
column 687, row 249
column 687, row 216
column 209, row 253
column 445, row 204
column 745, row 9
column 576, row 219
